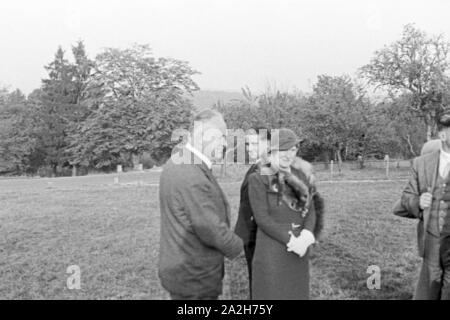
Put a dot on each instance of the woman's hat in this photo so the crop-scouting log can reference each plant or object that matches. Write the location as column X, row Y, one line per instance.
column 283, row 139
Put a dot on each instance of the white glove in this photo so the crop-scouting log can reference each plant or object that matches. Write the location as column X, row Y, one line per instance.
column 300, row 244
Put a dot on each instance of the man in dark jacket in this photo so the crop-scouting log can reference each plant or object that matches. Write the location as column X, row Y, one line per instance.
column 195, row 216
column 258, row 144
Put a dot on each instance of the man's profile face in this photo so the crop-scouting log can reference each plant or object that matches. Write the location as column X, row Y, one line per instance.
column 258, row 146
column 253, row 151
column 214, row 136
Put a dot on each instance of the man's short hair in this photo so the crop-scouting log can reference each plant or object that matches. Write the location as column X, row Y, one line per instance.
column 263, row 130
column 444, row 120
column 203, row 116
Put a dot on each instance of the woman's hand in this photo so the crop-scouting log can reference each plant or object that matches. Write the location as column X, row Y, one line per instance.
column 300, row 244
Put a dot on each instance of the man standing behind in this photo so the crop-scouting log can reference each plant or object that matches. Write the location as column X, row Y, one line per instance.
column 195, row 216
column 258, row 146
column 427, row 198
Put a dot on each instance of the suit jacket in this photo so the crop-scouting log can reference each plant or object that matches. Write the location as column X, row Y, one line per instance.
column 246, row 225
column 195, row 230
column 422, row 179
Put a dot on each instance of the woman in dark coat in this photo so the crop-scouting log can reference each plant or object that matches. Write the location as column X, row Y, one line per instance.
column 281, row 197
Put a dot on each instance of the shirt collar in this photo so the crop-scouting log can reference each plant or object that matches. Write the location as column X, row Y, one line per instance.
column 200, row 155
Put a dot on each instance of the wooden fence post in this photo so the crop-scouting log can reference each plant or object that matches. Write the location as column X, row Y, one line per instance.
column 224, row 166
column 360, row 162
column 331, row 168
column 387, row 166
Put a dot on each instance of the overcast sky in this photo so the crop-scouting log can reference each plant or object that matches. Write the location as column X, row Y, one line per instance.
column 232, row 43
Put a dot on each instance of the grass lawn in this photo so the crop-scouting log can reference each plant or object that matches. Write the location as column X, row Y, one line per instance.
column 111, row 231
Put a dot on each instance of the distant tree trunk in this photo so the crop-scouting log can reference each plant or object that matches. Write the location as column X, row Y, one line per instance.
column 410, row 145
column 361, row 161
column 338, row 155
column 339, row 159
column 429, row 134
column 326, row 158
column 54, row 169
column 430, row 122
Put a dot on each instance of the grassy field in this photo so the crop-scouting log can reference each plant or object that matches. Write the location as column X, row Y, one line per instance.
column 111, row 231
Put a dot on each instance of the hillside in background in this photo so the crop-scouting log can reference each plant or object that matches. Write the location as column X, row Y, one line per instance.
column 207, row 98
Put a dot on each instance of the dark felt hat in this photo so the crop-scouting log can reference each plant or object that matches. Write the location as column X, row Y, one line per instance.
column 283, row 139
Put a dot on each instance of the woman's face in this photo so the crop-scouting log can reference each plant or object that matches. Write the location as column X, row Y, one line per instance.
column 283, row 159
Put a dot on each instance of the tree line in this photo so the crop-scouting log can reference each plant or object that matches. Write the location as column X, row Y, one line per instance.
column 95, row 114
column 342, row 119
column 122, row 106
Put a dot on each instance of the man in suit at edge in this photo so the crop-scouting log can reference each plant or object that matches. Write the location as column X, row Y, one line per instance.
column 195, row 216
column 427, row 197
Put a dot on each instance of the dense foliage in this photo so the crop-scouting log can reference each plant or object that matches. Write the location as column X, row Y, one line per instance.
column 94, row 114
column 122, row 106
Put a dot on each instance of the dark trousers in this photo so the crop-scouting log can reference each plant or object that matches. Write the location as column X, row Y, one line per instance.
column 249, row 250
column 175, row 296
column 434, row 279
